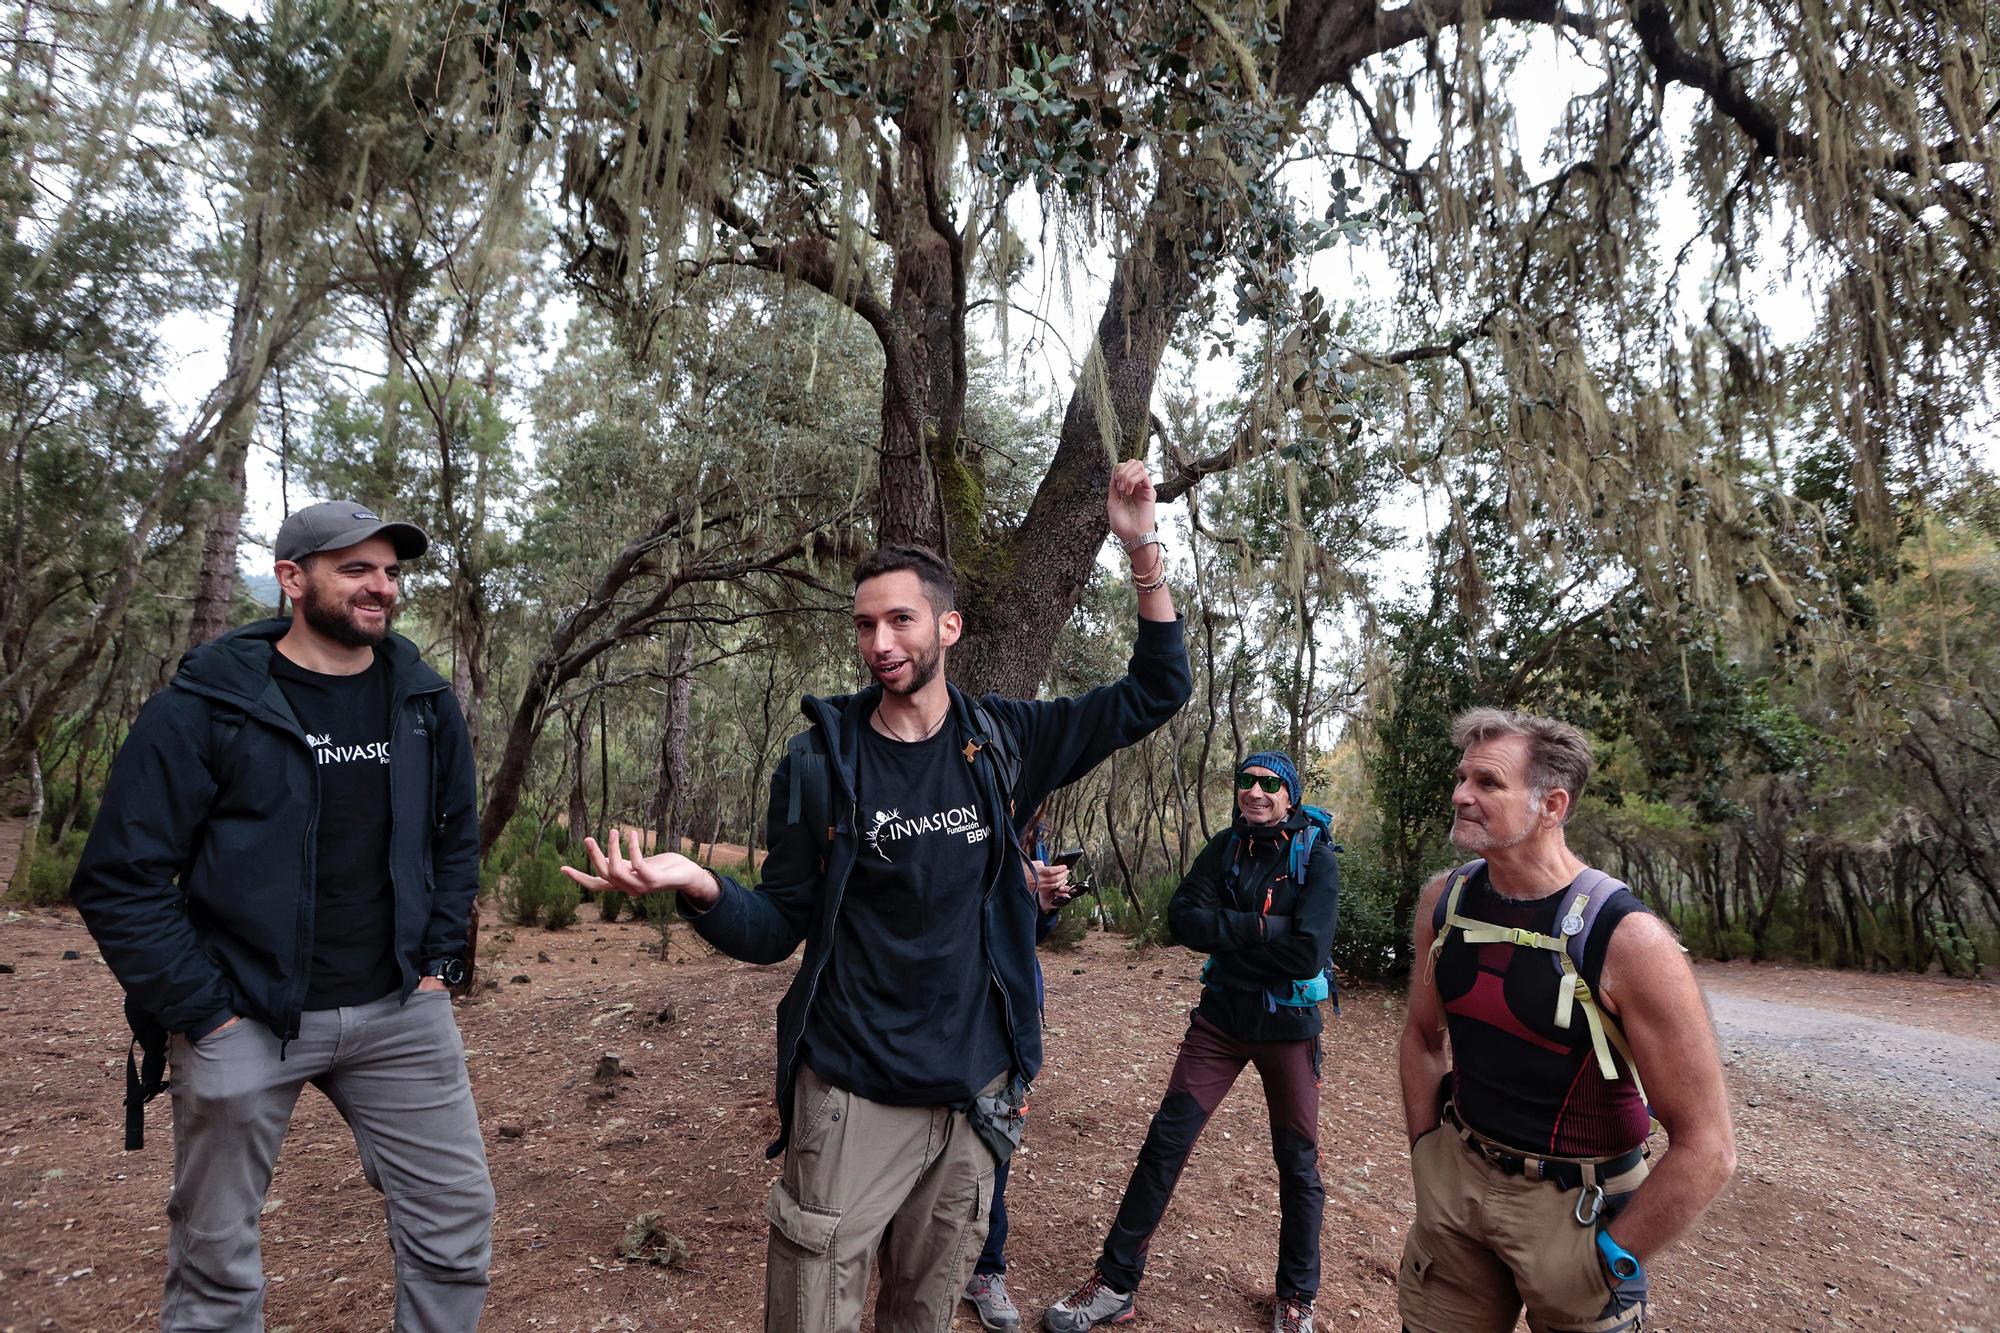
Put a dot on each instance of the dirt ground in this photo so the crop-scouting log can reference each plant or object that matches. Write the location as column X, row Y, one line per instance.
column 1848, row 1213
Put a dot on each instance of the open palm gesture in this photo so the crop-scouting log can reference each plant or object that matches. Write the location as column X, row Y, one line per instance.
column 636, row 873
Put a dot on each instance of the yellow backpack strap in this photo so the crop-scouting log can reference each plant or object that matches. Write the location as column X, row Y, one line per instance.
column 1604, row 1034
column 1454, row 889
column 1566, row 992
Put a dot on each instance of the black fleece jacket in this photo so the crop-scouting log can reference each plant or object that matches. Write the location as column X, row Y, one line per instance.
column 1056, row 742
column 1256, row 948
column 197, row 878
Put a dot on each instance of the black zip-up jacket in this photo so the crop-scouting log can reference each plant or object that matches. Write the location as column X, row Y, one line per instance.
column 1055, row 742
column 1255, row 949
column 197, row 879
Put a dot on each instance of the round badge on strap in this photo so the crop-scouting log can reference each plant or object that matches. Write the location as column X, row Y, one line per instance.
column 1572, row 924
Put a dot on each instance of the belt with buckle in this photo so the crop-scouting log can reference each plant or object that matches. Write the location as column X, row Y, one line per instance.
column 1563, row 1173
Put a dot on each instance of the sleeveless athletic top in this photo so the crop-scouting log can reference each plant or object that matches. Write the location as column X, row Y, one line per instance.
column 1521, row 1080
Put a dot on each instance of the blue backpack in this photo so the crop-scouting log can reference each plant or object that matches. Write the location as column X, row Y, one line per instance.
column 1322, row 985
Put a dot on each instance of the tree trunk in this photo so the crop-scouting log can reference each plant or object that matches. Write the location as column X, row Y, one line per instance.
column 1022, row 591
column 579, row 797
column 668, row 818
column 215, row 582
column 923, row 382
column 31, row 830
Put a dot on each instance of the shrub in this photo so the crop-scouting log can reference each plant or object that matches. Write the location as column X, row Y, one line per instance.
column 743, row 872
column 535, row 891
column 59, row 800
column 1148, row 923
column 1074, row 923
column 658, row 911
column 610, row 903
column 43, row 880
column 1367, row 943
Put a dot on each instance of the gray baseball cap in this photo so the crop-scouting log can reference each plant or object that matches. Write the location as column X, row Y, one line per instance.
column 337, row 524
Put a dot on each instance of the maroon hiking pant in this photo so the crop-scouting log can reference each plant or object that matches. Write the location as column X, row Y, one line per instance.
column 1209, row 1062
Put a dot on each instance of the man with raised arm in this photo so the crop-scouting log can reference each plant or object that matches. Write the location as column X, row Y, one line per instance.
column 907, row 1038
column 1568, row 1005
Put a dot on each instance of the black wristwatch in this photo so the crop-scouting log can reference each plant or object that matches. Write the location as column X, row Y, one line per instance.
column 451, row 971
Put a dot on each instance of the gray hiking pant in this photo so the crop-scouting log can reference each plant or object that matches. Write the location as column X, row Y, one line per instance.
column 396, row 1072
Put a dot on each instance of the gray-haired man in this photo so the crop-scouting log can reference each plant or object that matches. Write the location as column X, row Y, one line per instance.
column 1560, row 992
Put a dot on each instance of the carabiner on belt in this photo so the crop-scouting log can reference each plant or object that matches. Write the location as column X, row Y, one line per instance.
column 1592, row 1195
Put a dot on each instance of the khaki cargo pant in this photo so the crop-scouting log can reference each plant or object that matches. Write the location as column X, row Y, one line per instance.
column 1486, row 1243
column 914, row 1182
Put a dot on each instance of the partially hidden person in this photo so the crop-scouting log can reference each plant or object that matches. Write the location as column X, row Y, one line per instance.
column 1049, row 883
column 280, row 877
column 909, row 1033
column 1573, row 1022
column 1263, row 901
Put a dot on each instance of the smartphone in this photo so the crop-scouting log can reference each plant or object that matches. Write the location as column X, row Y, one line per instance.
column 1068, row 858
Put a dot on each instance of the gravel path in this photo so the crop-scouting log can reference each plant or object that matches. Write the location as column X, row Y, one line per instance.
column 1881, row 1069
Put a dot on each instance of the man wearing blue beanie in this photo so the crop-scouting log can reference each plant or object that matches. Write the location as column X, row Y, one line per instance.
column 1262, row 900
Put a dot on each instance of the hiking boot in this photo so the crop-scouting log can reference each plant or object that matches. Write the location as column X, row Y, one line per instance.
column 1093, row 1303
column 987, row 1293
column 1292, row 1316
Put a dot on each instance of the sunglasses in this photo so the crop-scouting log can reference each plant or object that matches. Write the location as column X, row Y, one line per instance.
column 1271, row 785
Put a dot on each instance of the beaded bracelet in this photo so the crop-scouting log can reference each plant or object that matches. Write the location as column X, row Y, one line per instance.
column 1159, row 578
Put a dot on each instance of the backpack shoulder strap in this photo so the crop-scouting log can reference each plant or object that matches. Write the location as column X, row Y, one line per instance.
column 1318, row 822
column 1444, row 915
column 997, row 743
column 1587, row 896
column 1446, row 906
column 809, row 789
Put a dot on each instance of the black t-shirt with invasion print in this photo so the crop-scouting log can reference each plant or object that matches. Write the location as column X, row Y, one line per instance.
column 354, row 926
column 907, row 1011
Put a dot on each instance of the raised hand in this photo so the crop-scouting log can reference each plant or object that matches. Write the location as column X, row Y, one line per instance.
column 664, row 872
column 1129, row 503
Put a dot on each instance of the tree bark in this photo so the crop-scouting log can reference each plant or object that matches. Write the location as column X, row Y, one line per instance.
column 1023, row 590
column 215, row 581
column 667, row 800
column 579, row 796
column 923, row 382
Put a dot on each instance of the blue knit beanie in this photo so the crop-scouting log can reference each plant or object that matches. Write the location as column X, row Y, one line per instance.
column 1278, row 762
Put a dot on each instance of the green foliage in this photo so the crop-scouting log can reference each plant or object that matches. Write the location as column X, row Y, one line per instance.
column 1072, row 925
column 743, row 872
column 534, row 891
column 656, row 909
column 1147, row 924
column 1414, row 758
column 1369, row 943
column 60, row 800
column 44, row 880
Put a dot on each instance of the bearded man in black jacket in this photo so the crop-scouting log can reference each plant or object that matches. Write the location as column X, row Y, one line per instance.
column 280, row 877
column 911, row 1029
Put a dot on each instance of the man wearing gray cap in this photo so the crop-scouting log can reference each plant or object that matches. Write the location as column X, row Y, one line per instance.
column 280, row 877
